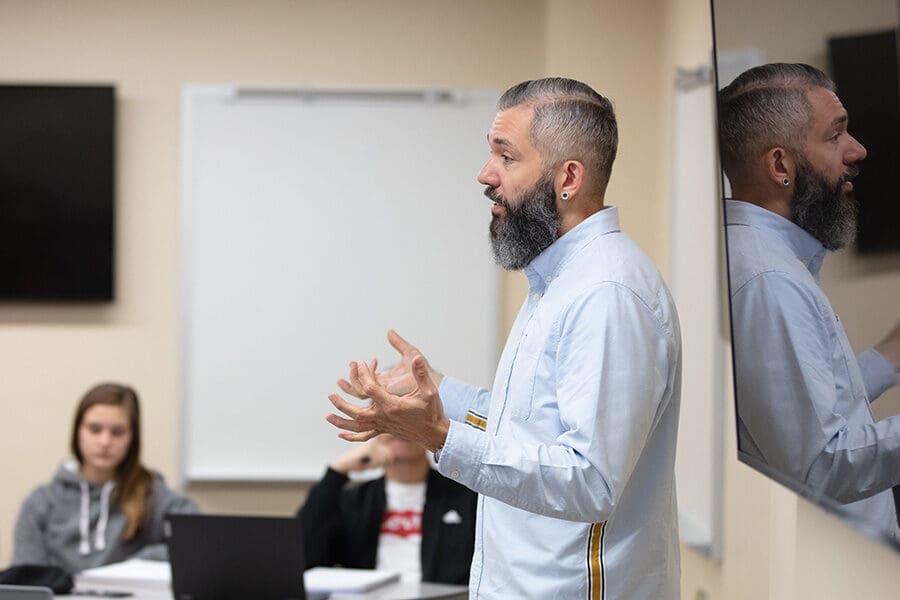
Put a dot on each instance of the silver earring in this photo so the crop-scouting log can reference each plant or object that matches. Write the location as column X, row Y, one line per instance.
column 564, row 195
column 786, row 181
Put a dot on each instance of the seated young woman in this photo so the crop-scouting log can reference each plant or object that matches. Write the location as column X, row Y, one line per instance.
column 105, row 506
column 413, row 520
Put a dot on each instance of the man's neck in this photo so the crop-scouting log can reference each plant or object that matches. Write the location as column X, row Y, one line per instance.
column 778, row 203
column 573, row 217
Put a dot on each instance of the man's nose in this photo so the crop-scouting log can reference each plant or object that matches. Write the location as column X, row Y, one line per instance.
column 857, row 152
column 488, row 175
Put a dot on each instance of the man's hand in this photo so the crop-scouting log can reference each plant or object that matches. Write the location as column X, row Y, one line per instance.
column 396, row 380
column 417, row 416
column 371, row 455
column 890, row 346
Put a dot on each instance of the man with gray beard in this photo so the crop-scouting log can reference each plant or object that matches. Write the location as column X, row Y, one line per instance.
column 572, row 452
column 802, row 396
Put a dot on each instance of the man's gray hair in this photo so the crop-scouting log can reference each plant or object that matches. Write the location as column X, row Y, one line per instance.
column 766, row 107
column 571, row 122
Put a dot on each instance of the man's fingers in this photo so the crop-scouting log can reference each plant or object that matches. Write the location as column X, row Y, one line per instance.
column 399, row 344
column 351, row 410
column 367, row 383
column 420, row 372
column 362, row 436
column 354, row 378
column 355, row 425
column 348, row 388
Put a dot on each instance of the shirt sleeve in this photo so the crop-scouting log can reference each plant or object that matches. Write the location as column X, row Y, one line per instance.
column 612, row 367
column 878, row 373
column 28, row 545
column 464, row 403
column 787, row 396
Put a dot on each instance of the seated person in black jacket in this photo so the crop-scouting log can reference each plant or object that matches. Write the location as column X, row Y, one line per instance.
column 412, row 520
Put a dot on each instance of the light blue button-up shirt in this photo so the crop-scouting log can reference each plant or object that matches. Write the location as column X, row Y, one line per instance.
column 573, row 451
column 802, row 396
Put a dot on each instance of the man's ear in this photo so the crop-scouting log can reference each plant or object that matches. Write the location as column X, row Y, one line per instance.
column 569, row 179
column 780, row 166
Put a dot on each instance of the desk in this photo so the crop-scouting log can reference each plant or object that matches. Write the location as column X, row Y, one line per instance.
column 394, row 591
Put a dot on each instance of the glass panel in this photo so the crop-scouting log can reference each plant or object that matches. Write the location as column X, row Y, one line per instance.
column 811, row 292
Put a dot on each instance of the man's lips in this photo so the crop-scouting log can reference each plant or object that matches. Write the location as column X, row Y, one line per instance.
column 847, row 177
column 499, row 207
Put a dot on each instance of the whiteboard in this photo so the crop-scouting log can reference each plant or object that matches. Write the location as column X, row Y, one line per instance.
column 313, row 221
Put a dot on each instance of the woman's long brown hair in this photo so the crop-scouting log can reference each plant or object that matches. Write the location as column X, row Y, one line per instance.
column 133, row 481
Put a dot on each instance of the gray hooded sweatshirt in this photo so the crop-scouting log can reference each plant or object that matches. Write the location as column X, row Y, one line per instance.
column 76, row 525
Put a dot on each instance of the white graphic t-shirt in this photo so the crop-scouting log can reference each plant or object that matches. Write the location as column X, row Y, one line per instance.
column 401, row 530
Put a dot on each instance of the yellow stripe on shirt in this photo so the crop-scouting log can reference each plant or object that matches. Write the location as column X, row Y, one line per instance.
column 597, row 588
column 476, row 421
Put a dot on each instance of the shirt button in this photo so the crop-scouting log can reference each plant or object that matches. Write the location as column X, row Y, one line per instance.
column 454, row 474
column 548, row 279
column 535, row 296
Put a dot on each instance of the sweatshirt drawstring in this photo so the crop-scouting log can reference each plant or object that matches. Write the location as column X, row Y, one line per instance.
column 84, row 546
column 100, row 536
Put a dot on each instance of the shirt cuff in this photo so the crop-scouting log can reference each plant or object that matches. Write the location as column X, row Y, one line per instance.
column 461, row 455
column 878, row 373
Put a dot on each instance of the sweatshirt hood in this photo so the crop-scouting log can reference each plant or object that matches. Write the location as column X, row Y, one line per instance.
column 68, row 475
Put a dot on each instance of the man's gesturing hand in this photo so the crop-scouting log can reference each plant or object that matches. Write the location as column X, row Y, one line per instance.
column 397, row 379
column 417, row 416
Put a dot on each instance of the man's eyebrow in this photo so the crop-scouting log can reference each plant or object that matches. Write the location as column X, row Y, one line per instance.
column 838, row 120
column 500, row 142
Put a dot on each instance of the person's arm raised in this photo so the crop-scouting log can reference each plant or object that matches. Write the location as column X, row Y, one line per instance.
column 370, row 455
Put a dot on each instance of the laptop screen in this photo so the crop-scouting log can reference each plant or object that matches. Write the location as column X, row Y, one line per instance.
column 218, row 557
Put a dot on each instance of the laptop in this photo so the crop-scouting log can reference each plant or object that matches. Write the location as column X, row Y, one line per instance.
column 25, row 592
column 218, row 557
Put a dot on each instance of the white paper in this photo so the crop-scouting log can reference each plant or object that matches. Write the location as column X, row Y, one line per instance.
column 327, row 579
column 135, row 572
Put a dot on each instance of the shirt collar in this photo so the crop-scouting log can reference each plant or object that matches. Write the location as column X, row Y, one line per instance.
column 547, row 265
column 805, row 247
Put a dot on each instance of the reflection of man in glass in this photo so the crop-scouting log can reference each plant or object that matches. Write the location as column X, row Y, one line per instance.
column 803, row 397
